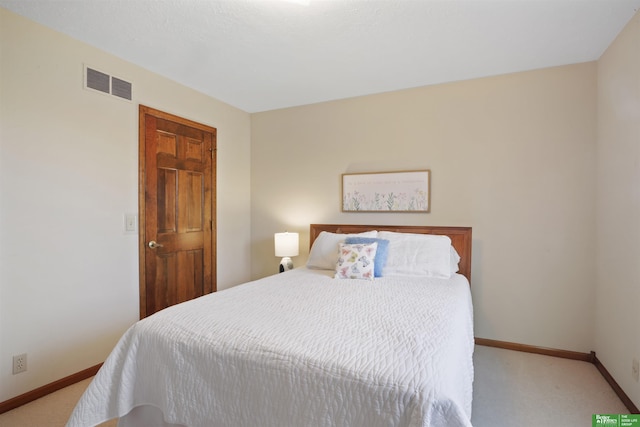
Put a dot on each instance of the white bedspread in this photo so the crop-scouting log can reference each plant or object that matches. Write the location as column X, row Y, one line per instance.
column 298, row 349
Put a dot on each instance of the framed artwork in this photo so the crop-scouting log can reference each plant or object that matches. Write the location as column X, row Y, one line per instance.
column 407, row 191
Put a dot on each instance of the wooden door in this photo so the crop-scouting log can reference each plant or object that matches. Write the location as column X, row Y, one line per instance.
column 177, row 207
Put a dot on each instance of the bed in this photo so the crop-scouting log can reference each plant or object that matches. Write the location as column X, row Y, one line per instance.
column 305, row 348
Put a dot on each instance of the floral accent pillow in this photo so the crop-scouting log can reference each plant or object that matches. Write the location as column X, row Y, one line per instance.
column 356, row 261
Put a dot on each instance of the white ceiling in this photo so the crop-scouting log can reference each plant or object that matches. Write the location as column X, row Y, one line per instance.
column 261, row 55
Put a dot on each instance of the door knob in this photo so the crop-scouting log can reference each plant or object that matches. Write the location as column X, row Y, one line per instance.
column 153, row 244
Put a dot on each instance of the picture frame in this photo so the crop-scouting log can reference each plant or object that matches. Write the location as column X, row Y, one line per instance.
column 403, row 191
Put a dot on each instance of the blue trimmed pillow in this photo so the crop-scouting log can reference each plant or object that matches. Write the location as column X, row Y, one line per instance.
column 381, row 252
column 355, row 261
column 324, row 252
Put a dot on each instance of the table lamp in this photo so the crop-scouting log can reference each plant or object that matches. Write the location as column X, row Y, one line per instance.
column 286, row 246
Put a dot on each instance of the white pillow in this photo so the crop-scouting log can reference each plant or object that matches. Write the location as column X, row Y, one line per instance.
column 356, row 261
column 324, row 252
column 417, row 255
column 455, row 259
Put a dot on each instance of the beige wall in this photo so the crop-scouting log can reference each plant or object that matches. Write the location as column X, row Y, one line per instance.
column 512, row 156
column 68, row 173
column 618, row 208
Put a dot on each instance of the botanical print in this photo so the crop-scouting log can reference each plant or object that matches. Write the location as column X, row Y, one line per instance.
column 398, row 191
column 357, row 201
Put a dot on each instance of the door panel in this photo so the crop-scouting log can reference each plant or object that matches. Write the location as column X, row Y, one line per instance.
column 167, row 185
column 194, row 190
column 177, row 178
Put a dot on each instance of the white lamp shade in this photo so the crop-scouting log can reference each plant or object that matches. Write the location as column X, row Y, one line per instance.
column 286, row 244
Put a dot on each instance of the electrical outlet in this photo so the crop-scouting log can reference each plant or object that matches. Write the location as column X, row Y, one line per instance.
column 19, row 363
column 635, row 370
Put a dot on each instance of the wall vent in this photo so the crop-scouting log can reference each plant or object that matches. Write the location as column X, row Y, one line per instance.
column 120, row 88
column 97, row 80
column 110, row 85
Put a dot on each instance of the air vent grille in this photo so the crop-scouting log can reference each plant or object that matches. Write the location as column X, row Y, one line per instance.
column 97, row 80
column 120, row 88
column 110, row 85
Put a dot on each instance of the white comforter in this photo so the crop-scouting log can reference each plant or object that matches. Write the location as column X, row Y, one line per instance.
column 298, row 349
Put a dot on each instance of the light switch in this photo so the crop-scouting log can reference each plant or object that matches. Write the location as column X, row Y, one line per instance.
column 130, row 223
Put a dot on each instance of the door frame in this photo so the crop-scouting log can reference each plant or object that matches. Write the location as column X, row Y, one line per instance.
column 143, row 111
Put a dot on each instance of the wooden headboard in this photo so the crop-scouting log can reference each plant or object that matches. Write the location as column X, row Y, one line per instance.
column 460, row 237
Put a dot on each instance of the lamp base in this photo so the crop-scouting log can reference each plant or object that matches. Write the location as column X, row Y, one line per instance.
column 286, row 264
